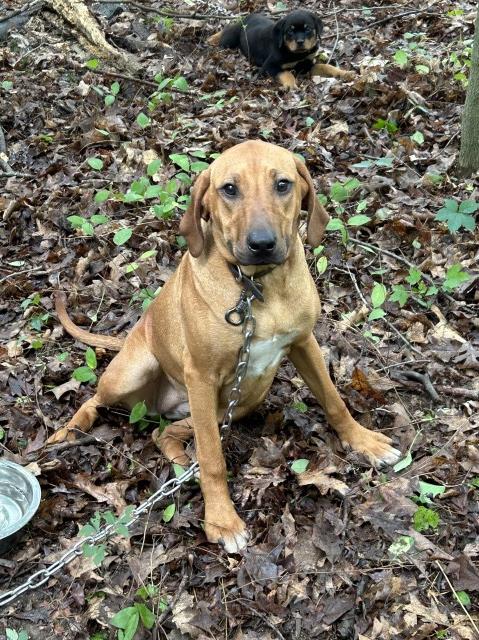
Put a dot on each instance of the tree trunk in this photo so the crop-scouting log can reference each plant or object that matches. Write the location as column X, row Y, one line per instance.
column 469, row 155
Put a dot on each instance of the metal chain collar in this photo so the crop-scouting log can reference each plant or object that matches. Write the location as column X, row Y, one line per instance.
column 244, row 310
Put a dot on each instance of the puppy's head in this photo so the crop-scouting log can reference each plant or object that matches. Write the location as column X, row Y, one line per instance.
column 252, row 196
column 299, row 31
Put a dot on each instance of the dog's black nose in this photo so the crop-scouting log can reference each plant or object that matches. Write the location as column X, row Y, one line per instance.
column 299, row 42
column 261, row 241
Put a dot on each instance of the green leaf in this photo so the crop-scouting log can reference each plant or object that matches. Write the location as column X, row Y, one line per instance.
column 199, row 166
column 148, row 254
column 401, row 58
column 102, row 195
column 23, row 635
column 463, row 598
column 131, row 196
column 309, row 121
column 153, row 167
column 123, row 617
column 414, row 276
column 146, row 615
column 138, row 412
column 153, row 191
column 95, row 163
column 11, row 634
column 423, row 69
column 147, row 591
column 335, row 224
column 169, row 512
column 122, row 236
column 401, row 545
column 90, row 358
column 7, row 85
column 300, row 465
column 122, row 530
column 87, row 530
column 426, row 489
column 364, row 164
column 115, row 88
column 84, row 374
column 399, row 294
column 180, row 160
column 76, row 221
column 375, row 314
column 468, row 206
column 338, row 193
column 87, row 228
column 109, row 100
column 180, row 83
column 322, row 265
column 98, row 218
column 358, row 220
column 403, row 463
column 178, row 469
column 300, row 406
column 417, row 137
column 425, row 519
column 378, row 294
column 455, row 276
column 384, row 162
column 142, row 120
column 93, row 63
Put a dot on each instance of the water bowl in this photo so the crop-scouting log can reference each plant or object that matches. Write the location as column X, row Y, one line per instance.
column 19, row 499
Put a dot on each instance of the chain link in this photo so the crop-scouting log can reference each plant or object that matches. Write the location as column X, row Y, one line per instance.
column 173, row 485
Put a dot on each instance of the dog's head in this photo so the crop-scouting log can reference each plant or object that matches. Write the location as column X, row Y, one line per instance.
column 252, row 196
column 299, row 31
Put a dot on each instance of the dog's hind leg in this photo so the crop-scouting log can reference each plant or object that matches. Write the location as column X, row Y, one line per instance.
column 328, row 71
column 171, row 440
column 228, row 38
column 127, row 380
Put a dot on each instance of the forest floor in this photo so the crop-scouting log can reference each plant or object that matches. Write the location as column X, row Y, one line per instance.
column 100, row 167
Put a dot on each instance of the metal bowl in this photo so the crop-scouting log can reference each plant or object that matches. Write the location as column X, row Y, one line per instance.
column 19, row 499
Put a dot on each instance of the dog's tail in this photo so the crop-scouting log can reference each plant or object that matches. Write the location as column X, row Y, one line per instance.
column 93, row 339
column 229, row 38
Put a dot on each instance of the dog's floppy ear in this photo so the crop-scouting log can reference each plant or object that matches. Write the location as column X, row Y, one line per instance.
column 318, row 23
column 278, row 33
column 318, row 217
column 190, row 225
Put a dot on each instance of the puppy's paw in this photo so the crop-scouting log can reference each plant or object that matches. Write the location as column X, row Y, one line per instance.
column 228, row 530
column 214, row 40
column 348, row 76
column 375, row 447
column 62, row 434
column 287, row 81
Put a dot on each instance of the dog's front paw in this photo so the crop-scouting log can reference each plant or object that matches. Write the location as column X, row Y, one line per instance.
column 61, row 435
column 226, row 528
column 375, row 447
column 349, row 76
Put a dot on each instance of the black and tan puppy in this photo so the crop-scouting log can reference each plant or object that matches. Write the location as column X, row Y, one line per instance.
column 280, row 47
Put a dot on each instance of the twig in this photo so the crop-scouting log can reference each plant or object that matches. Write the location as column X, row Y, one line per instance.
column 125, row 76
column 454, row 392
column 424, row 379
column 178, row 593
column 374, row 247
column 337, row 38
column 263, row 618
column 28, row 8
column 16, row 174
column 16, row 273
column 3, row 150
column 171, row 13
column 70, row 444
column 474, row 626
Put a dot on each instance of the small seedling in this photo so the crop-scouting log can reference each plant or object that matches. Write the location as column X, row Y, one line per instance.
column 458, row 214
column 128, row 619
column 16, row 635
column 425, row 519
column 300, row 465
column 86, row 373
column 97, row 551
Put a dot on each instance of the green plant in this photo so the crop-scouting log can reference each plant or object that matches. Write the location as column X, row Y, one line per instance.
column 16, row 635
column 128, row 619
column 145, row 296
column 390, row 126
column 97, row 551
column 114, row 91
column 378, row 298
column 458, row 214
column 425, row 519
column 7, row 85
column 85, row 373
column 300, row 465
column 463, row 598
column 87, row 225
column 95, row 163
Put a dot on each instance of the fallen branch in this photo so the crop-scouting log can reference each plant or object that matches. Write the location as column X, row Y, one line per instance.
column 455, row 392
column 30, row 8
column 77, row 13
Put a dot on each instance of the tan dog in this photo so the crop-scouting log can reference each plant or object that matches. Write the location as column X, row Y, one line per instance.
column 181, row 355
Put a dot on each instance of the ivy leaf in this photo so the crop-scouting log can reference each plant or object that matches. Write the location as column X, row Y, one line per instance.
column 414, row 276
column 457, row 216
column 399, row 294
column 122, row 236
column 181, row 160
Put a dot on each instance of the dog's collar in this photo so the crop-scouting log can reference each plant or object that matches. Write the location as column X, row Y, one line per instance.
column 252, row 288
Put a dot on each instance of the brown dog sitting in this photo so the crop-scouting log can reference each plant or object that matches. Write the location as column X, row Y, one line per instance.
column 181, row 356
column 279, row 48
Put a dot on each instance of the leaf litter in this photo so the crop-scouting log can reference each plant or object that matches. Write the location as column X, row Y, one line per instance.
column 334, row 550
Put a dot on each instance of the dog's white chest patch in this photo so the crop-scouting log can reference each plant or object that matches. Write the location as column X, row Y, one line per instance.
column 265, row 354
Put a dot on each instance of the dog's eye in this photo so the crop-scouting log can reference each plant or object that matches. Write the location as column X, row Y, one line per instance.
column 283, row 186
column 230, row 189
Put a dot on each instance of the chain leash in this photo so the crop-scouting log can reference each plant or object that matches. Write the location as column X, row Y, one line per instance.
column 244, row 313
